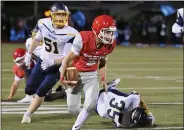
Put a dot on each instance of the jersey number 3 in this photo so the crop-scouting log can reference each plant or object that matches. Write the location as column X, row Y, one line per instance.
column 117, row 106
column 49, row 46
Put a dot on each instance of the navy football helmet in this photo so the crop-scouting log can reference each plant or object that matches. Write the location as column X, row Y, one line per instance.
column 59, row 14
column 139, row 117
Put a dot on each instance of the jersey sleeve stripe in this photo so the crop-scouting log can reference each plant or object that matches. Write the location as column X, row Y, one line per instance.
column 71, row 40
column 47, row 28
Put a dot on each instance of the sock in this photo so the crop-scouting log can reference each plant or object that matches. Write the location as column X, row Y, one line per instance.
column 27, row 114
column 83, row 115
column 29, row 96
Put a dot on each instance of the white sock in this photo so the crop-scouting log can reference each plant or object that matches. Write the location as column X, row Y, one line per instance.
column 83, row 115
column 27, row 114
column 29, row 96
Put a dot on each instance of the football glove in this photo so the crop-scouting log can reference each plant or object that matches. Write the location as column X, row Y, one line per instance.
column 46, row 63
column 27, row 59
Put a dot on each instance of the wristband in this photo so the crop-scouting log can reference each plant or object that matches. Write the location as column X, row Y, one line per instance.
column 61, row 78
column 103, row 78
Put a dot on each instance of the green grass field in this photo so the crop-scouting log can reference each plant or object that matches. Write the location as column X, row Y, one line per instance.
column 156, row 73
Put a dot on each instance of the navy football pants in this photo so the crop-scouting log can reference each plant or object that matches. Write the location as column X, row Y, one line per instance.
column 41, row 81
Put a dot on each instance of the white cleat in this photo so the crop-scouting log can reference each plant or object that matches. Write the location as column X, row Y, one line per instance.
column 117, row 81
column 27, row 99
column 26, row 119
column 113, row 83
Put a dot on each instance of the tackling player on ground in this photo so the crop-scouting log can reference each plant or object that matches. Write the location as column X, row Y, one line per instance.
column 57, row 37
column 126, row 110
column 89, row 49
column 19, row 68
column 20, row 71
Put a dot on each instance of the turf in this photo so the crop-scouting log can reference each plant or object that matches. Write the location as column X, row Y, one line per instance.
column 156, row 73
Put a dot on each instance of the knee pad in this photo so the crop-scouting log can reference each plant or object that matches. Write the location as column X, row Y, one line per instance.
column 74, row 110
column 29, row 90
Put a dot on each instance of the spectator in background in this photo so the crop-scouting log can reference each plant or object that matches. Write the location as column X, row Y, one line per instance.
column 125, row 35
column 13, row 34
column 5, row 26
column 21, row 29
column 20, row 32
column 142, row 32
column 120, row 28
column 152, row 31
column 162, row 33
column 79, row 20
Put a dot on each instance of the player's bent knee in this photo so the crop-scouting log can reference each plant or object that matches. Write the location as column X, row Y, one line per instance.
column 74, row 110
column 29, row 90
column 41, row 94
column 42, row 91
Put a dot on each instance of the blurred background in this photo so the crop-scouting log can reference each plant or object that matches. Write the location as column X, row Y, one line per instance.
column 139, row 23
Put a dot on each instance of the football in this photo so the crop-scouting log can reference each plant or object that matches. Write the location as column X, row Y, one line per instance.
column 72, row 75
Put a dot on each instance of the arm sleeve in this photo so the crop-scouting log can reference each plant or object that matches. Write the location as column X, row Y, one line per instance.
column 28, row 43
column 67, row 48
column 17, row 78
column 39, row 36
column 177, row 29
column 77, row 44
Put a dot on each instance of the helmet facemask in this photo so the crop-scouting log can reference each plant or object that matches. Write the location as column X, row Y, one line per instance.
column 19, row 61
column 107, row 35
column 60, row 18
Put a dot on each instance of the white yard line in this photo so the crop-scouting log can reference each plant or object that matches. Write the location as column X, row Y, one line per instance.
column 40, row 108
column 26, row 105
column 165, row 78
column 128, row 69
column 144, row 69
column 16, row 103
column 143, row 63
column 37, row 112
column 166, row 103
column 152, row 88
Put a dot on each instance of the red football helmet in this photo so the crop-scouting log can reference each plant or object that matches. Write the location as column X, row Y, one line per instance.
column 104, row 28
column 19, row 55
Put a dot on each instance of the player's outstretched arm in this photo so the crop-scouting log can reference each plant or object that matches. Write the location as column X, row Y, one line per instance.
column 13, row 90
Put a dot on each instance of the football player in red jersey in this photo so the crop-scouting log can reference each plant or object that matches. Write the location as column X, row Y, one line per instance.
column 89, row 51
column 20, row 71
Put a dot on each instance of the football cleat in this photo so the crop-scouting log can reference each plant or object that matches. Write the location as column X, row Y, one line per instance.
column 26, row 119
column 27, row 99
column 113, row 83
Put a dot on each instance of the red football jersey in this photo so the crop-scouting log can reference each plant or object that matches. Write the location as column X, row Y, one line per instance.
column 89, row 55
column 19, row 71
